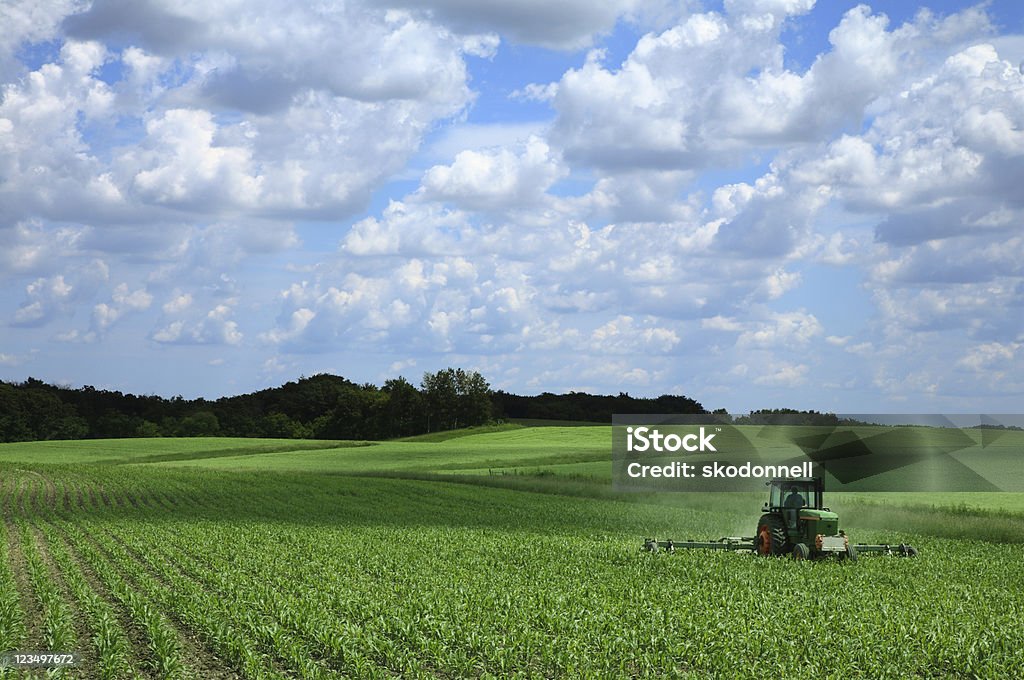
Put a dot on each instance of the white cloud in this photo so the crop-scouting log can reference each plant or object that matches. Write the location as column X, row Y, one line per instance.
column 397, row 367
column 721, row 323
column 991, row 356
column 715, row 85
column 933, row 150
column 178, row 303
column 780, row 281
column 499, row 178
column 28, row 21
column 123, row 301
column 647, row 196
column 624, row 335
column 47, row 298
column 216, row 327
column 783, row 375
column 669, row 207
column 563, row 25
column 181, row 166
column 244, row 113
column 786, row 329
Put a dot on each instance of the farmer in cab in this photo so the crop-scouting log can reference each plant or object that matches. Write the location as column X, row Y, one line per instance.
column 794, row 501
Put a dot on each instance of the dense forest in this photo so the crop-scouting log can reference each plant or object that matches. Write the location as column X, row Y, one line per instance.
column 596, row 408
column 321, row 406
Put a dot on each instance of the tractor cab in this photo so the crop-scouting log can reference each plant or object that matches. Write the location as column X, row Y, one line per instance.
column 788, row 494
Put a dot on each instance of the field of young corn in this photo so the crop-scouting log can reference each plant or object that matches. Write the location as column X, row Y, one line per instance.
column 161, row 572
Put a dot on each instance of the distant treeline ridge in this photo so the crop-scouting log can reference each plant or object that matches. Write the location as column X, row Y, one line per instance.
column 321, row 406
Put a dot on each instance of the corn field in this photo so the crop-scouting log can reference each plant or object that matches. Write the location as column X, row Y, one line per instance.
column 154, row 572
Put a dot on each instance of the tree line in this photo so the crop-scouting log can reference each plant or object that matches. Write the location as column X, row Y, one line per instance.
column 321, row 406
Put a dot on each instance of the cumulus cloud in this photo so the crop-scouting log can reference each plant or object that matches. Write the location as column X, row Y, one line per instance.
column 244, row 112
column 429, row 305
column 179, row 302
column 625, row 335
column 50, row 297
column 721, row 323
column 788, row 329
column 123, row 301
column 716, row 85
column 992, row 355
column 29, row 21
column 640, row 259
column 783, row 375
column 566, row 24
column 181, row 167
column 28, row 247
column 498, row 178
column 216, row 327
column 682, row 201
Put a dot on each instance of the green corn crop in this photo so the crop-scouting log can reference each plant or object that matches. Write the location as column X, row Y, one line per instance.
column 292, row 573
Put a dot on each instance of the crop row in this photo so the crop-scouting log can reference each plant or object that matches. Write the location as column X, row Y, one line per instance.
column 56, row 579
column 322, row 577
column 12, row 625
column 58, row 630
column 112, row 646
column 473, row 601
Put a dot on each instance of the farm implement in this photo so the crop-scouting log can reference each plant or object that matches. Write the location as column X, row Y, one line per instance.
column 794, row 522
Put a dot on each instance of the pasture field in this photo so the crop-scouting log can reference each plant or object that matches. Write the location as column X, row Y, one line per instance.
column 497, row 554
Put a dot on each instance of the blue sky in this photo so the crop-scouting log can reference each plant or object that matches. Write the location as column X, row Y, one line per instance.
column 755, row 203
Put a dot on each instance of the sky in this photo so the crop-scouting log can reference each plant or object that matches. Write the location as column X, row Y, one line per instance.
column 754, row 203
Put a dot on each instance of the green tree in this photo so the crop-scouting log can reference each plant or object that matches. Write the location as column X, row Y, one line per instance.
column 14, row 426
column 280, row 426
column 403, row 413
column 199, row 424
column 456, row 398
column 440, row 395
column 148, row 429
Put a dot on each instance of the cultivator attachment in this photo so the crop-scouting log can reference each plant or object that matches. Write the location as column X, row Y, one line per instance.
column 901, row 550
column 738, row 543
column 794, row 522
column 725, row 543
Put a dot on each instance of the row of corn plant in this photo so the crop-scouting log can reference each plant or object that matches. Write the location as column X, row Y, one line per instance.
column 261, row 631
column 113, row 650
column 196, row 608
column 164, row 658
column 12, row 624
column 58, row 630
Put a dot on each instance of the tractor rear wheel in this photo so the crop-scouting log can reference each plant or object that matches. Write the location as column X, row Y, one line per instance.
column 771, row 535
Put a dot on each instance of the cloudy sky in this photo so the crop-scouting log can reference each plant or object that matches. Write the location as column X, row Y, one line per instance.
column 754, row 203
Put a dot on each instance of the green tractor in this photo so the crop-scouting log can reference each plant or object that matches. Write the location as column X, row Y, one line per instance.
column 794, row 522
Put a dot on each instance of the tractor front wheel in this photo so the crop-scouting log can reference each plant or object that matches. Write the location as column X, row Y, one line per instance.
column 801, row 552
column 771, row 535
